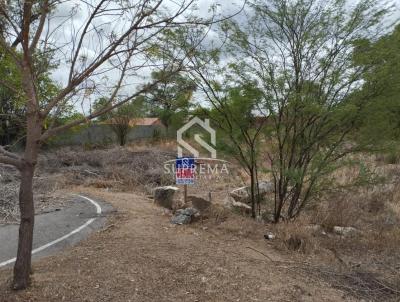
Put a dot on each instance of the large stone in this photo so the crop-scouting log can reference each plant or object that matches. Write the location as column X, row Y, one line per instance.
column 184, row 216
column 181, row 219
column 243, row 194
column 344, row 231
column 188, row 212
column 241, row 207
column 266, row 187
column 164, row 196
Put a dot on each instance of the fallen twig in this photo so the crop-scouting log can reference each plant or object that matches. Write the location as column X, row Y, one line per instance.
column 265, row 255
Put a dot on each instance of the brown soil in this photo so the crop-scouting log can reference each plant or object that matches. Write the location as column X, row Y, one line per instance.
column 140, row 256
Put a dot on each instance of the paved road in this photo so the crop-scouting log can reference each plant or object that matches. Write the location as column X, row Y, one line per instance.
column 56, row 230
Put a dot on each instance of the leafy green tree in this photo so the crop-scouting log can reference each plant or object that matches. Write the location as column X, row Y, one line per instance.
column 120, row 119
column 170, row 99
column 236, row 113
column 12, row 107
column 381, row 122
column 299, row 54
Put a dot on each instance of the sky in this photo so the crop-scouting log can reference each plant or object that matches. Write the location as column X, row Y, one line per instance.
column 66, row 25
column 66, row 33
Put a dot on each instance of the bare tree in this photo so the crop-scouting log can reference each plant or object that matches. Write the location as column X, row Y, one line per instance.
column 114, row 38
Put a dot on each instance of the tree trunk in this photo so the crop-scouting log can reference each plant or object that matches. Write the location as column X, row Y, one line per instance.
column 122, row 139
column 252, row 194
column 294, row 203
column 257, row 191
column 22, row 266
column 277, row 215
column 279, row 201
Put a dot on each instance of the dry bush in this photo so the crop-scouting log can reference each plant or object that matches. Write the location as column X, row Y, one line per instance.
column 116, row 168
column 163, row 144
column 373, row 209
column 45, row 197
column 339, row 210
column 216, row 214
column 295, row 236
column 390, row 158
column 371, row 212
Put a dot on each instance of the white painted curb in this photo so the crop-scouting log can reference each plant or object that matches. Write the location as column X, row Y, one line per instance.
column 43, row 247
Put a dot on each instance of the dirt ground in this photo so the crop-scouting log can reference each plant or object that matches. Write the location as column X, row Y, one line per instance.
column 140, row 256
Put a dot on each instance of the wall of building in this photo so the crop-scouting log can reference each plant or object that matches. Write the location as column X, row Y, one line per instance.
column 99, row 134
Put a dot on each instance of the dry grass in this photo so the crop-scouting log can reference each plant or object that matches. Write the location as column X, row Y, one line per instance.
column 142, row 257
column 363, row 265
column 46, row 197
column 118, row 169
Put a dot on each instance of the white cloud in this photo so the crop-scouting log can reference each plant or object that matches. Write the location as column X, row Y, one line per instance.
column 71, row 16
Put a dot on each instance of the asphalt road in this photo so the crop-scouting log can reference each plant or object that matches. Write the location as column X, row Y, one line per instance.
column 56, row 230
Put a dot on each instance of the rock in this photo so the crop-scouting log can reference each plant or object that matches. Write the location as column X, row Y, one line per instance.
column 243, row 194
column 339, row 230
column 184, row 216
column 181, row 219
column 266, row 187
column 269, row 236
column 187, row 211
column 231, row 204
column 315, row 229
column 164, row 196
column 242, row 207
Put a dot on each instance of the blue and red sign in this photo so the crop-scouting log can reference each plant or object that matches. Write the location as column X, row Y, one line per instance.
column 185, row 170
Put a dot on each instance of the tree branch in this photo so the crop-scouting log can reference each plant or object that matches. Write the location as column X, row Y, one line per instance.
column 43, row 16
column 10, row 161
column 8, row 154
column 9, row 85
column 54, row 131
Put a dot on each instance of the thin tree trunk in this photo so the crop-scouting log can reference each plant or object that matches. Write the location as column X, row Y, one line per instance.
column 252, row 194
column 258, row 189
column 121, row 137
column 278, row 209
column 22, row 268
column 294, row 202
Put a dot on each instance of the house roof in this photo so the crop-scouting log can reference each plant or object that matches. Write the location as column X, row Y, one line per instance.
column 146, row 121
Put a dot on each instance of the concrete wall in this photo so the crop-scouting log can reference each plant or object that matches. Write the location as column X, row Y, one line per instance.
column 98, row 134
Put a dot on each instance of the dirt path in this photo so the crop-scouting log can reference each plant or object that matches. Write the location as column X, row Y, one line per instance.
column 140, row 256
